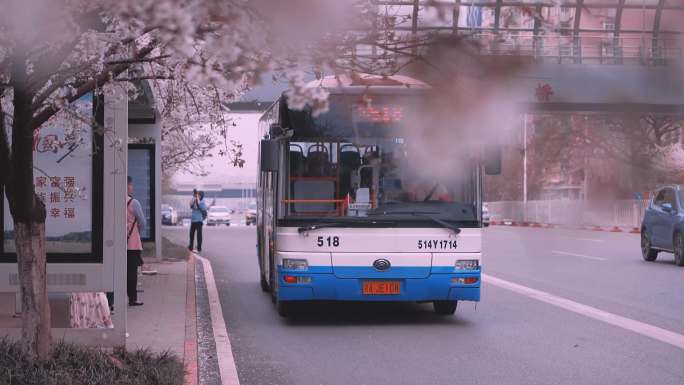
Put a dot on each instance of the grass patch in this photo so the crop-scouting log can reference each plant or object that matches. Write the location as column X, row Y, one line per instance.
column 77, row 365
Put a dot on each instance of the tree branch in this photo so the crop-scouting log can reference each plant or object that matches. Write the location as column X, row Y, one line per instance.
column 150, row 77
column 59, row 80
column 90, row 85
column 136, row 61
column 56, row 83
column 48, row 61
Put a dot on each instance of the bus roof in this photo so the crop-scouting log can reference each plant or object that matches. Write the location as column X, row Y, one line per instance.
column 360, row 82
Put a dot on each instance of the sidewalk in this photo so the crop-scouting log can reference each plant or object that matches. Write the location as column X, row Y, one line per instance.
column 168, row 320
column 160, row 324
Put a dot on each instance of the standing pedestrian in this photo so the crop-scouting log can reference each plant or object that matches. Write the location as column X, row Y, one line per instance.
column 136, row 222
column 199, row 212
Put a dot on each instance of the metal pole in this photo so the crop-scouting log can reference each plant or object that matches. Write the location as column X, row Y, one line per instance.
column 414, row 25
column 643, row 26
column 524, row 157
column 525, row 167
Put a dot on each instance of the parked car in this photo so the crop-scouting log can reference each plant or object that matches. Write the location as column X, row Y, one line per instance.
column 485, row 215
column 662, row 228
column 251, row 215
column 218, row 215
column 169, row 216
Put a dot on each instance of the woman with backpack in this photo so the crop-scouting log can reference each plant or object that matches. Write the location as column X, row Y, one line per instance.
column 199, row 213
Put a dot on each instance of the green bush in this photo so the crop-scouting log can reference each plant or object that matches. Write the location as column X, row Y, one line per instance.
column 77, row 365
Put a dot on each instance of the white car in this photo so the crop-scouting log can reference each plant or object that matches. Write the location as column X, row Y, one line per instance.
column 169, row 216
column 218, row 215
column 251, row 215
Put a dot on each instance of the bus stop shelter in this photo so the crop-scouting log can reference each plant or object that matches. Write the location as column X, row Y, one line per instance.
column 85, row 194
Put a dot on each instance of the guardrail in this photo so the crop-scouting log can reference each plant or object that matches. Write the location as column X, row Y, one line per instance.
column 615, row 213
column 599, row 49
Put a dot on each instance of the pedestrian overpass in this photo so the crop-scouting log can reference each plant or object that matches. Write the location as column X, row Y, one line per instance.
column 580, row 55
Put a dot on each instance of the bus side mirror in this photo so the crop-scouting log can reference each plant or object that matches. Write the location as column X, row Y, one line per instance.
column 274, row 130
column 492, row 160
column 269, row 151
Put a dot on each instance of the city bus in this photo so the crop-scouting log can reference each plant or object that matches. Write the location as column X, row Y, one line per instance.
column 344, row 213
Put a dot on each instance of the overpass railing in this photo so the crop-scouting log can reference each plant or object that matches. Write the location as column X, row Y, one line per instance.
column 620, row 213
column 589, row 49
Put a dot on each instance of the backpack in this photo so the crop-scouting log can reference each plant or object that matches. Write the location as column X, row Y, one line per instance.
column 203, row 211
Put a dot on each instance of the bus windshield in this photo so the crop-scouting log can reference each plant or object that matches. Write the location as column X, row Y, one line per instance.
column 361, row 168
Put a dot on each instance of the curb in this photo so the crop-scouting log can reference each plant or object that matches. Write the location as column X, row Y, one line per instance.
column 208, row 357
column 190, row 353
column 611, row 229
column 214, row 329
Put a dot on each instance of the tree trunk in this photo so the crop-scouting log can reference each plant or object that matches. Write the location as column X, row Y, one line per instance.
column 35, row 310
column 28, row 213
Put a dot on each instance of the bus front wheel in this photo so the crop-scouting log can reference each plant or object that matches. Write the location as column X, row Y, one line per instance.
column 284, row 308
column 445, row 307
column 264, row 284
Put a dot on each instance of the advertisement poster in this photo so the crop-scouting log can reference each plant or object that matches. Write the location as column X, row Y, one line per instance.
column 63, row 178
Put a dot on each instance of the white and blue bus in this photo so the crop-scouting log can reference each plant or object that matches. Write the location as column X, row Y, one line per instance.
column 345, row 214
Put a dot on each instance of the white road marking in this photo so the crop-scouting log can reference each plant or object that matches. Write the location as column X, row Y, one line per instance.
column 589, row 239
column 226, row 361
column 647, row 330
column 578, row 255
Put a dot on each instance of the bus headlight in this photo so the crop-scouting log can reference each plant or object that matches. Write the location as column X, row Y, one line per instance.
column 467, row 264
column 295, row 264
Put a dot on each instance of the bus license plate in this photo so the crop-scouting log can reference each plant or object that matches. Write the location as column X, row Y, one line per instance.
column 381, row 287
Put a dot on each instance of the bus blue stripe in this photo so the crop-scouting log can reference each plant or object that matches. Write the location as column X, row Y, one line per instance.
column 326, row 286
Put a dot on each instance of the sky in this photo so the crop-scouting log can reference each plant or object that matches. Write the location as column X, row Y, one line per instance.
column 267, row 91
column 220, row 170
column 270, row 90
column 247, row 133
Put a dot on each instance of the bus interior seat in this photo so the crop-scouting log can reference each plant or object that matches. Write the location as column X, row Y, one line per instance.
column 318, row 164
column 368, row 155
column 366, row 177
column 297, row 163
column 350, row 161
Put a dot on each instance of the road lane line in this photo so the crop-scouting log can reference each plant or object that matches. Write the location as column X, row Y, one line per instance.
column 578, row 255
column 224, row 350
column 647, row 330
column 589, row 239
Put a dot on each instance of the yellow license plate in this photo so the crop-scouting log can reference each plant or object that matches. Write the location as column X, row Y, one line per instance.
column 381, row 287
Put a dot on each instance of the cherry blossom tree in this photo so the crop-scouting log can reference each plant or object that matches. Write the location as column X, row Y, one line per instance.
column 52, row 53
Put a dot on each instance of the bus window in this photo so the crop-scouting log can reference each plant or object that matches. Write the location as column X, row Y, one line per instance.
column 326, row 177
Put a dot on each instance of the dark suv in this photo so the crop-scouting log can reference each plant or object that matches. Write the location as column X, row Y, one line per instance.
column 663, row 226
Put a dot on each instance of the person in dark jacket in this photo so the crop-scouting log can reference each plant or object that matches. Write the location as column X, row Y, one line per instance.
column 199, row 209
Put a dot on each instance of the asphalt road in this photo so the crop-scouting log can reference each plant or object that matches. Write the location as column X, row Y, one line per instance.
column 508, row 338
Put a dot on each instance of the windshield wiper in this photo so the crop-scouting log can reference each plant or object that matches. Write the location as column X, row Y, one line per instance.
column 424, row 214
column 304, row 229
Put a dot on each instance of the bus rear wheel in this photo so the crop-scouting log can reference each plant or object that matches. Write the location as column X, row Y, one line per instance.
column 445, row 307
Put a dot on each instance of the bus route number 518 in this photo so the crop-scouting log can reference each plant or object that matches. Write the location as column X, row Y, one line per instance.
column 333, row 241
